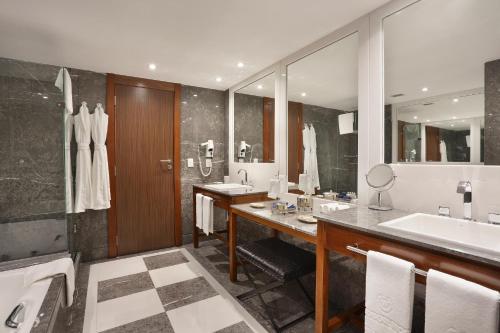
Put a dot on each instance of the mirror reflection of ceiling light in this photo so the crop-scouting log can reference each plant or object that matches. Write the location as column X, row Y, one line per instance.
column 455, row 100
column 240, row 65
column 452, row 125
column 152, row 67
column 218, row 79
column 425, row 89
column 428, row 121
column 45, row 97
column 260, row 86
column 303, row 94
column 454, row 117
column 195, row 95
column 415, row 117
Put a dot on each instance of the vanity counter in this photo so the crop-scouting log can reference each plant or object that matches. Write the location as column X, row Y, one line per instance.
column 366, row 220
column 231, row 192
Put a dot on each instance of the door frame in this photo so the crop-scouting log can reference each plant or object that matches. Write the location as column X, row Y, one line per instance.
column 111, row 81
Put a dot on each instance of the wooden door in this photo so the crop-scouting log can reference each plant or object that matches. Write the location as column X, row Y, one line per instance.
column 295, row 146
column 146, row 205
column 432, row 151
column 268, row 129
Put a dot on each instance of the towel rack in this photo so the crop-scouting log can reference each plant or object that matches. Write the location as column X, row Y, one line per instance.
column 357, row 250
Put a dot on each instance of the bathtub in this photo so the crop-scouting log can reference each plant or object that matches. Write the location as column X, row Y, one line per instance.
column 13, row 292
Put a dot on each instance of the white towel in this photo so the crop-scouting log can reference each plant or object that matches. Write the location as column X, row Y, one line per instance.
column 456, row 305
column 199, row 210
column 208, row 215
column 49, row 270
column 283, row 184
column 390, row 285
column 305, row 183
column 63, row 82
column 274, row 188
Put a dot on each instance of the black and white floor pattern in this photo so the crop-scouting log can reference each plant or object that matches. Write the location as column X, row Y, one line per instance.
column 167, row 291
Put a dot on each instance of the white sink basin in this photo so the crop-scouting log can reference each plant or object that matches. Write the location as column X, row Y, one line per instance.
column 226, row 187
column 449, row 231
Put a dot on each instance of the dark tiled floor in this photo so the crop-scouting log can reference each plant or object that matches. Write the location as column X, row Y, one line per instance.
column 155, row 324
column 123, row 286
column 164, row 260
column 286, row 302
column 186, row 292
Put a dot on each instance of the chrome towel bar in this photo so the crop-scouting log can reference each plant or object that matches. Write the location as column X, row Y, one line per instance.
column 357, row 250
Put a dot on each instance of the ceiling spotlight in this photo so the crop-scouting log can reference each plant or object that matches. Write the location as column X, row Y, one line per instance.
column 260, row 86
column 303, row 94
column 218, row 79
column 427, row 120
column 454, row 117
column 152, row 67
column 45, row 97
column 425, row 89
column 195, row 95
column 184, row 102
column 455, row 100
column 452, row 125
column 415, row 117
column 240, row 65
column 217, row 106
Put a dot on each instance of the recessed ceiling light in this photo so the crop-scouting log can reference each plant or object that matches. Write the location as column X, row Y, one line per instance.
column 240, row 65
column 195, row 95
column 217, row 106
column 454, row 117
column 425, row 89
column 45, row 97
column 463, row 120
column 428, row 120
column 218, row 79
column 184, row 102
column 452, row 125
column 303, row 94
column 455, row 100
column 415, row 117
column 260, row 86
column 152, row 66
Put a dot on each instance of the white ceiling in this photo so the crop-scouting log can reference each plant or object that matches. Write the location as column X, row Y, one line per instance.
column 192, row 42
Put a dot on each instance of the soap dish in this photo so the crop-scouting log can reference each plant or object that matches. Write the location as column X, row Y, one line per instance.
column 307, row 219
column 257, row 205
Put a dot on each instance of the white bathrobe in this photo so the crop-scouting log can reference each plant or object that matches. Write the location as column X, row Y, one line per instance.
column 442, row 150
column 310, row 158
column 63, row 82
column 101, row 194
column 313, row 158
column 83, row 189
column 307, row 150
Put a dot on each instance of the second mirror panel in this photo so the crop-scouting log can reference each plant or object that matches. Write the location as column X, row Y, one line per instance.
column 322, row 91
column 254, row 121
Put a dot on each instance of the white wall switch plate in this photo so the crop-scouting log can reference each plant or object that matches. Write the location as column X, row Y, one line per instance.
column 208, row 163
column 190, row 163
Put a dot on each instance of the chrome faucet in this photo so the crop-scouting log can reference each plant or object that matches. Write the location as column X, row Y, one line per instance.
column 244, row 182
column 465, row 188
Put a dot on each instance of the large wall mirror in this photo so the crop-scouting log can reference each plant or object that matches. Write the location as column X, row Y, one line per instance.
column 322, row 92
column 442, row 82
column 254, row 121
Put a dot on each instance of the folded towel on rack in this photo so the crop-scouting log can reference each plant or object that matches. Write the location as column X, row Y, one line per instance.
column 390, row 285
column 208, row 215
column 199, row 210
column 305, row 183
column 453, row 304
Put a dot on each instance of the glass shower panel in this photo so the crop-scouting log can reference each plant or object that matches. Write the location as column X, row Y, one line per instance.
column 32, row 192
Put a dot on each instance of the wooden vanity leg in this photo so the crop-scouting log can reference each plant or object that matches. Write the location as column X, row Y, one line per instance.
column 322, row 272
column 195, row 228
column 232, row 235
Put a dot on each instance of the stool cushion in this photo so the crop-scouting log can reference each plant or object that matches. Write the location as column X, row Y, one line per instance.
column 281, row 260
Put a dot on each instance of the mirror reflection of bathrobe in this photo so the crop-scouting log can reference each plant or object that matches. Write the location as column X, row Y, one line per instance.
column 310, row 157
column 83, row 188
column 101, row 195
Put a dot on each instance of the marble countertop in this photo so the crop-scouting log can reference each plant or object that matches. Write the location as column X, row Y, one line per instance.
column 231, row 193
column 288, row 220
column 361, row 218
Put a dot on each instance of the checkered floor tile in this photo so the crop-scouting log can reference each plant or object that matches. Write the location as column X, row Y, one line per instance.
column 161, row 293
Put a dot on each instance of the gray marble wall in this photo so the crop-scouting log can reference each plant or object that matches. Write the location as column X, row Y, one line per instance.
column 337, row 154
column 32, row 195
column 492, row 113
column 203, row 117
column 248, row 124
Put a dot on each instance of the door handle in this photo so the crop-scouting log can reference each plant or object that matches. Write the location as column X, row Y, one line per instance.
column 166, row 164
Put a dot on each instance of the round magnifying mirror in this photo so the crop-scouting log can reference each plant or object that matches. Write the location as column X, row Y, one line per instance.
column 380, row 178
